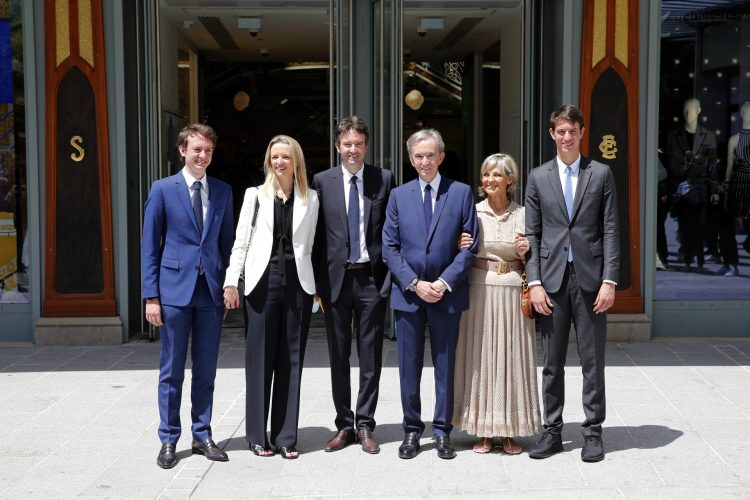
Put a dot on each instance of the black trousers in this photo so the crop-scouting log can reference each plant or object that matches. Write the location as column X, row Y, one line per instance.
column 361, row 308
column 278, row 320
column 571, row 303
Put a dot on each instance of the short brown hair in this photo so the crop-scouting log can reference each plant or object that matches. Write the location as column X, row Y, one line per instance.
column 196, row 129
column 566, row 112
column 355, row 123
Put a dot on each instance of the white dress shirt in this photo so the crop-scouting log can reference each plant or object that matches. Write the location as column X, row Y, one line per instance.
column 363, row 255
column 434, row 185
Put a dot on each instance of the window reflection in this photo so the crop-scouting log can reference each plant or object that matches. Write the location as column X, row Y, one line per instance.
column 703, row 206
column 14, row 238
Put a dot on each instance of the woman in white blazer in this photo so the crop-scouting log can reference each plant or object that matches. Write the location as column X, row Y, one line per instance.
column 272, row 249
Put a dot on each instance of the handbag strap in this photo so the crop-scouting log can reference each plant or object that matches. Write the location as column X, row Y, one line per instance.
column 252, row 232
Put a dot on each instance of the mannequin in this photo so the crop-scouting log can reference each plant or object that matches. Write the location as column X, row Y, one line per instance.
column 690, row 145
column 691, row 151
column 738, row 173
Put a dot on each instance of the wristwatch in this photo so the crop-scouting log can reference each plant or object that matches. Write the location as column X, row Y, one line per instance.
column 412, row 287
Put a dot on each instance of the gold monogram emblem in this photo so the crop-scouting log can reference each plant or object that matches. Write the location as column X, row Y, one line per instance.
column 608, row 147
column 77, row 143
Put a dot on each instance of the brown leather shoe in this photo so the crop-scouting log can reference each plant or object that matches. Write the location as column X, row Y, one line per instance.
column 368, row 441
column 342, row 439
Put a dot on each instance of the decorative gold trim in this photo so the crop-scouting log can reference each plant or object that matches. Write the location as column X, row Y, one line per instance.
column 621, row 31
column 62, row 31
column 599, row 45
column 76, row 142
column 85, row 32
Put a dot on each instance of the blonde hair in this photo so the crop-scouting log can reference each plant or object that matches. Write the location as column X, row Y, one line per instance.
column 300, row 171
column 506, row 165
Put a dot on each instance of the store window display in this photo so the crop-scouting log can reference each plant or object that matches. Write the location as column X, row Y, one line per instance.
column 704, row 199
column 14, row 247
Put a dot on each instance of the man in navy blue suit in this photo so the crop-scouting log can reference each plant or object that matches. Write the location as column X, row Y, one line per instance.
column 187, row 239
column 424, row 221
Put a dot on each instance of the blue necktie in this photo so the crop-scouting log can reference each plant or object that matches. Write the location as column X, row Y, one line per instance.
column 198, row 205
column 352, row 216
column 427, row 206
column 568, row 193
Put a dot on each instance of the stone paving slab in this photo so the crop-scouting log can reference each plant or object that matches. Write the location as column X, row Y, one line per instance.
column 81, row 422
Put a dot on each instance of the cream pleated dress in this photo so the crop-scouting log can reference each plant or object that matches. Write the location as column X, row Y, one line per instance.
column 495, row 379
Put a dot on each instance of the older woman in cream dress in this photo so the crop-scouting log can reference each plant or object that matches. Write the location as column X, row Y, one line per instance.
column 495, row 379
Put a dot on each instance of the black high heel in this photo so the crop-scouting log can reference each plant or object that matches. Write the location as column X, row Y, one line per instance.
column 287, row 452
column 260, row 451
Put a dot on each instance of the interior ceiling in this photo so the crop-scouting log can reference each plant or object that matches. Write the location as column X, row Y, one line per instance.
column 297, row 30
column 680, row 18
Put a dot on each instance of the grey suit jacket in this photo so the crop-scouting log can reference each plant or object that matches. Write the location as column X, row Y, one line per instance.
column 592, row 230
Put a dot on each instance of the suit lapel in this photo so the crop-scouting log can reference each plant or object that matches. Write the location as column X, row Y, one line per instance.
column 584, row 176
column 700, row 136
column 265, row 208
column 300, row 208
column 183, row 193
column 336, row 189
column 442, row 197
column 417, row 204
column 213, row 193
column 368, row 184
column 553, row 177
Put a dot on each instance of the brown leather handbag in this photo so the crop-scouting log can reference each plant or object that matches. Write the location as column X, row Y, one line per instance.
column 527, row 308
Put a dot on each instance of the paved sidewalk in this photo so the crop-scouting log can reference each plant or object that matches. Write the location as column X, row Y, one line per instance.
column 82, row 422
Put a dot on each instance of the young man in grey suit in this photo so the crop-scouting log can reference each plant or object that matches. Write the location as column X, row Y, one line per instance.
column 352, row 279
column 571, row 223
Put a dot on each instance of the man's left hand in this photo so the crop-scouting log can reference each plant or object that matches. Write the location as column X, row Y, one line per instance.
column 605, row 298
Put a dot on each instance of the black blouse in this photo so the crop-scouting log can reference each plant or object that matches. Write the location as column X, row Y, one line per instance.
column 283, row 213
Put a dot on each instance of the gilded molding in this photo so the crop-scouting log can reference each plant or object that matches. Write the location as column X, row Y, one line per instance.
column 85, row 32
column 599, row 45
column 62, row 31
column 621, row 31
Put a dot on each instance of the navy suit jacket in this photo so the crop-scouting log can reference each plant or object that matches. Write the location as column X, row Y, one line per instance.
column 172, row 248
column 332, row 236
column 410, row 249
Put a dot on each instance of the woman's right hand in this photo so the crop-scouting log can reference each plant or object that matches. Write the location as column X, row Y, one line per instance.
column 231, row 297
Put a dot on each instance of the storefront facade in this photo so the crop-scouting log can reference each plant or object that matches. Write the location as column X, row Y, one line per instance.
column 92, row 94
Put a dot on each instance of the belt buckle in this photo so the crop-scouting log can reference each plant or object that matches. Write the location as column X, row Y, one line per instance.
column 502, row 267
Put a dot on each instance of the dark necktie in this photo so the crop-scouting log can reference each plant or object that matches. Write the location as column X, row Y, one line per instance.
column 428, row 206
column 198, row 206
column 352, row 216
column 568, row 193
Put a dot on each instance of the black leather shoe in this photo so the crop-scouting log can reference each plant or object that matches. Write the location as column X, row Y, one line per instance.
column 410, row 447
column 167, row 457
column 549, row 444
column 444, row 447
column 593, row 449
column 209, row 449
column 341, row 440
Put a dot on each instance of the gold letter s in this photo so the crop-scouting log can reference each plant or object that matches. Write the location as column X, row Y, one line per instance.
column 76, row 141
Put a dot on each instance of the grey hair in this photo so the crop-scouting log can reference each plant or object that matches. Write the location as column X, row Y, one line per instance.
column 423, row 135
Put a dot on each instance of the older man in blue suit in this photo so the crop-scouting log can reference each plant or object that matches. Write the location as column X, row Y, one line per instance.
column 424, row 221
column 187, row 239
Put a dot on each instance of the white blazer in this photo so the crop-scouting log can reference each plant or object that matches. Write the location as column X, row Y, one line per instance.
column 257, row 253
